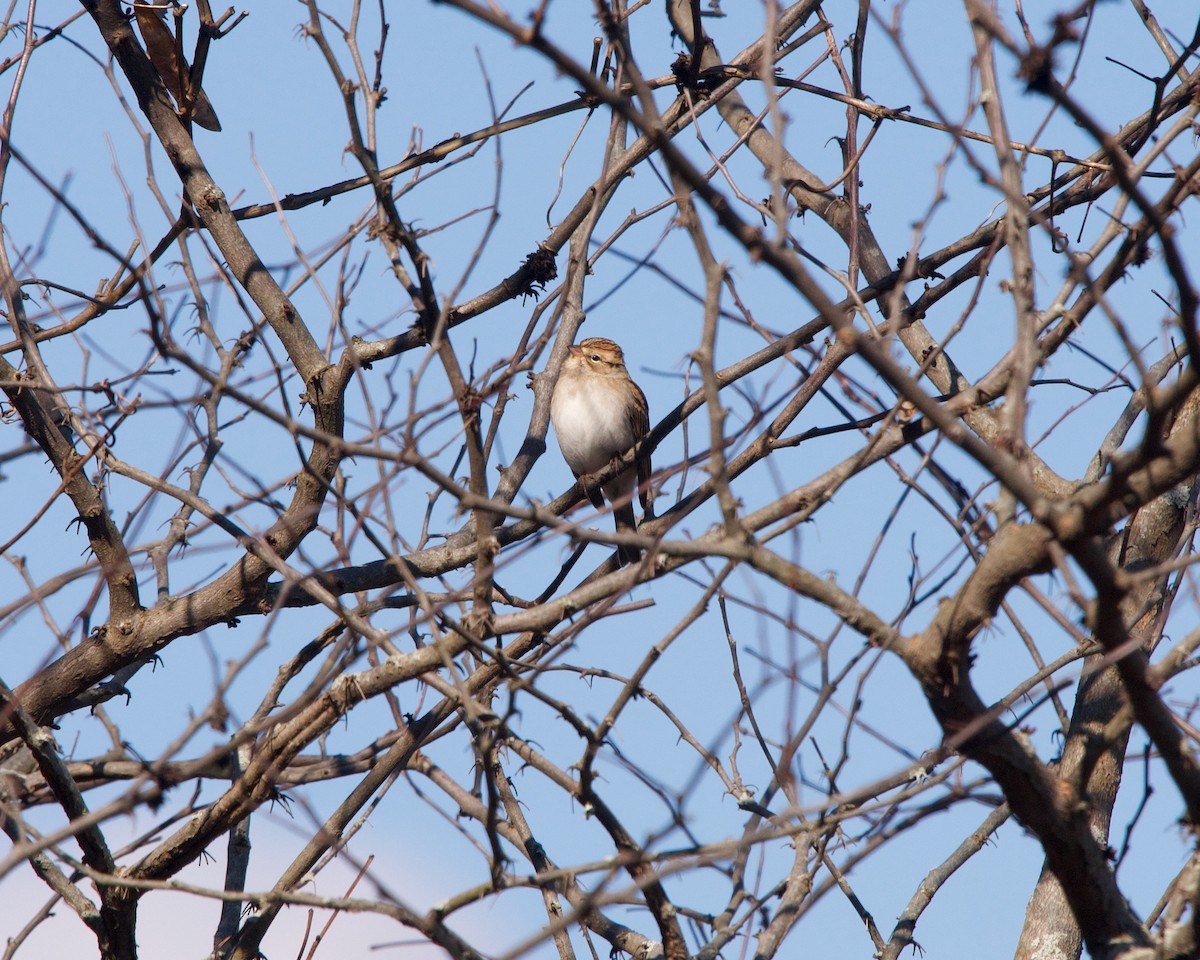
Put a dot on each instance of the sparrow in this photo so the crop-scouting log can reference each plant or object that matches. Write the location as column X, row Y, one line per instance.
column 599, row 413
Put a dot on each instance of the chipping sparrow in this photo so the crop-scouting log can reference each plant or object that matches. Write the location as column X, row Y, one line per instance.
column 598, row 414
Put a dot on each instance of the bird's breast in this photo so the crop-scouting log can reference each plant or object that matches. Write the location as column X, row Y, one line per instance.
column 591, row 421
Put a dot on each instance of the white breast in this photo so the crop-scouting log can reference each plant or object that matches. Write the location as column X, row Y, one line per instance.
column 591, row 422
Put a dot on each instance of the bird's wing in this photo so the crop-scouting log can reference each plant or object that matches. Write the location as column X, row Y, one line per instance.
column 639, row 426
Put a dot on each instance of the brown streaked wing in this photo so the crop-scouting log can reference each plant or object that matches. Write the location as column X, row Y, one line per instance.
column 639, row 426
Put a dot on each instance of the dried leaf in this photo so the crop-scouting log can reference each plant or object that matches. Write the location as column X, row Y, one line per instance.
column 174, row 70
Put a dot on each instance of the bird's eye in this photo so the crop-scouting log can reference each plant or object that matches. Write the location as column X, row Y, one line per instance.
column 595, row 358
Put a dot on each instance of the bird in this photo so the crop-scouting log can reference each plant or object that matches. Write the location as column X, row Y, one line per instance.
column 599, row 413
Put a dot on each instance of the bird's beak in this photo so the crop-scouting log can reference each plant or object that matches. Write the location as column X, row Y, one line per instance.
column 575, row 350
